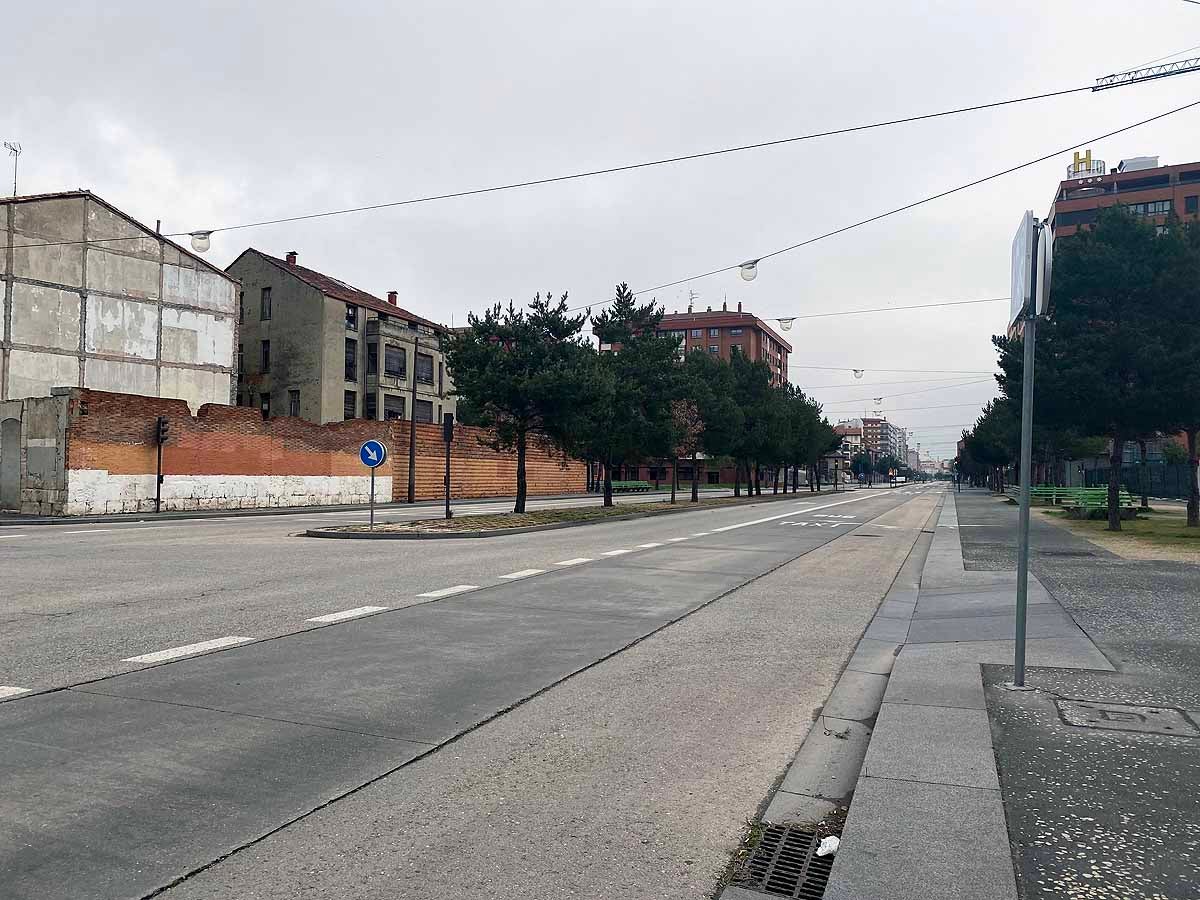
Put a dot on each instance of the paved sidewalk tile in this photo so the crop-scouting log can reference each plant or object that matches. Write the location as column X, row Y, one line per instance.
column 856, row 696
column 936, row 744
column 1053, row 622
column 874, row 656
column 929, row 675
column 907, row 841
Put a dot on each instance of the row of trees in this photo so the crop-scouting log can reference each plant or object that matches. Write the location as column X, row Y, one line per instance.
column 1117, row 361
column 533, row 378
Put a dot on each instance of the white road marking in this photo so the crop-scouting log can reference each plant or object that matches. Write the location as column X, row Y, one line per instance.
column 702, row 534
column 347, row 614
column 648, row 546
column 7, row 690
column 87, row 531
column 794, row 512
column 446, row 592
column 574, row 562
column 673, row 540
column 524, row 573
column 615, row 552
column 3, row 536
column 187, row 650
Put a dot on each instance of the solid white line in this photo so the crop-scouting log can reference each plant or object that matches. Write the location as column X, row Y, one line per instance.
column 446, row 592
column 702, row 534
column 187, row 650
column 648, row 546
column 347, row 614
column 524, row 573
column 3, row 536
column 574, row 562
column 673, row 540
column 615, row 552
column 806, row 509
column 87, row 531
column 7, row 690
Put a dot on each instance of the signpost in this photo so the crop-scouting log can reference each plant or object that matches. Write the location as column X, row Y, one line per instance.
column 448, row 437
column 1032, row 252
column 373, row 455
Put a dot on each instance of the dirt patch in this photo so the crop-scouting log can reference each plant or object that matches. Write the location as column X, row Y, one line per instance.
column 1161, row 536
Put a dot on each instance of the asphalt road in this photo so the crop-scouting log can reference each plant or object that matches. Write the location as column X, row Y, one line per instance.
column 119, row 787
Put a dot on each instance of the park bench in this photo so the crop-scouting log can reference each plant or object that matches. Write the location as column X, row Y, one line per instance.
column 625, row 487
column 1089, row 502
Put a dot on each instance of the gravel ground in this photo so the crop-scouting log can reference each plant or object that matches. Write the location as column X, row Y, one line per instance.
column 633, row 779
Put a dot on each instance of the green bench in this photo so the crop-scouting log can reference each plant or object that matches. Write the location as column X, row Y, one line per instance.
column 1088, row 502
column 624, row 487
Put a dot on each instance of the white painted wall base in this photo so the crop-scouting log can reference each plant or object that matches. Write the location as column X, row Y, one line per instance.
column 96, row 492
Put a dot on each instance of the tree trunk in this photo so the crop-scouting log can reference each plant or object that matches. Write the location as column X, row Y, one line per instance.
column 1144, row 473
column 775, row 483
column 1114, row 484
column 695, row 479
column 818, row 468
column 787, row 473
column 1193, row 504
column 522, row 488
column 737, row 478
column 674, row 476
column 757, row 481
column 608, row 501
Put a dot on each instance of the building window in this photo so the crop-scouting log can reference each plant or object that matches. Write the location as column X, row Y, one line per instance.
column 1153, row 208
column 735, row 348
column 372, row 359
column 351, row 359
column 394, row 363
column 697, row 332
column 736, row 332
column 441, row 377
column 349, row 405
column 370, row 408
column 714, row 348
column 352, row 317
column 1190, row 205
column 265, row 359
column 714, row 332
column 264, row 307
column 294, row 403
column 425, row 368
column 241, row 361
column 393, row 407
column 265, row 406
column 423, row 410
column 241, row 306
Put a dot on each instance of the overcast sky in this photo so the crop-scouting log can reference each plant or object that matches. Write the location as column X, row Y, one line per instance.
column 205, row 114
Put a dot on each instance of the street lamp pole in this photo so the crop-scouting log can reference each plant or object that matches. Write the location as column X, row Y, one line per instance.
column 412, row 426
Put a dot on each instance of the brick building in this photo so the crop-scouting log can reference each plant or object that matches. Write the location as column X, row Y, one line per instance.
column 1140, row 183
column 314, row 347
column 723, row 333
column 883, row 438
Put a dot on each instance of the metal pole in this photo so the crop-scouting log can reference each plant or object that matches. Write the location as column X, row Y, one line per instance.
column 158, row 479
column 447, row 479
column 372, row 498
column 412, row 431
column 1029, row 338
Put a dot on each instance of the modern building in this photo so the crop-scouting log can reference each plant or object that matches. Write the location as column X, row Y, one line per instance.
column 882, row 438
column 1140, row 183
column 314, row 347
column 93, row 298
column 723, row 333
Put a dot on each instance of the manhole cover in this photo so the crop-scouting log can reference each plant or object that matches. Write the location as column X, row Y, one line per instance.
column 1127, row 717
column 785, row 863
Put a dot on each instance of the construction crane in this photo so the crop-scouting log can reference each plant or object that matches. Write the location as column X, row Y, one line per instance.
column 1133, row 76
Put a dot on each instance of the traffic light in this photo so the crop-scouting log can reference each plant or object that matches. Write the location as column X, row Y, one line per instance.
column 161, row 429
column 448, row 427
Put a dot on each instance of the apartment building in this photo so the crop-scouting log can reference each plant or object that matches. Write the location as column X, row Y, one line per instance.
column 1139, row 183
column 883, row 438
column 723, row 333
column 315, row 347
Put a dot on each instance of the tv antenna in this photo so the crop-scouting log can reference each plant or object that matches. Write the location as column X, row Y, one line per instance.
column 15, row 149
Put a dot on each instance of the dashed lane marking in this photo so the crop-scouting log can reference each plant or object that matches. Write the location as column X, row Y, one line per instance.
column 674, row 540
column 6, row 536
column 702, row 534
column 348, row 614
column 446, row 592
column 8, row 690
column 87, row 531
column 648, row 546
column 574, row 562
column 524, row 573
column 187, row 650
column 794, row 512
column 615, row 552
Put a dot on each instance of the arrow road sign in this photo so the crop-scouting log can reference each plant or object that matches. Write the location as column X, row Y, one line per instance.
column 373, row 454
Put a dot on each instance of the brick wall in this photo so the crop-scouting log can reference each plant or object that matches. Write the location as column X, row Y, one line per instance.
column 475, row 469
column 228, row 457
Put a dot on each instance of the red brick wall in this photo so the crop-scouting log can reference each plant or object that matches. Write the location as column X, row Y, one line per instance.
column 115, row 432
column 475, row 469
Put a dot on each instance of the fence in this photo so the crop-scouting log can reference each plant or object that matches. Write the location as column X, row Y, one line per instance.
column 1159, row 480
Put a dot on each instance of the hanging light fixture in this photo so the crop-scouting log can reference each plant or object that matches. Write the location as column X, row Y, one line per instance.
column 201, row 240
column 858, row 373
column 749, row 269
column 786, row 324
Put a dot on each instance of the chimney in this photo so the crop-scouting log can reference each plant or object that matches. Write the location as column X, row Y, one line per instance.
column 739, row 306
column 724, row 306
column 689, row 307
column 392, row 298
column 709, row 309
column 291, row 257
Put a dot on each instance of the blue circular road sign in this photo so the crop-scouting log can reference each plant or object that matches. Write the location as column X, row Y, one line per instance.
column 372, row 454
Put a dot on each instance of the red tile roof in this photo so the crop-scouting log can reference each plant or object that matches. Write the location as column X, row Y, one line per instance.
column 339, row 290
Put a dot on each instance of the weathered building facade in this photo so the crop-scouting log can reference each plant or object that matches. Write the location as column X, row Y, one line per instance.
column 94, row 299
column 314, row 347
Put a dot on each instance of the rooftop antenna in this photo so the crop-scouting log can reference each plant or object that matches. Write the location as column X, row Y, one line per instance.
column 15, row 150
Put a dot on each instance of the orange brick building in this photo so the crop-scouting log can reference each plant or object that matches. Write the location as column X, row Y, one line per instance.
column 1141, row 184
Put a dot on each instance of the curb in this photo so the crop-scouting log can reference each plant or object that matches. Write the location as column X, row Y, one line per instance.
column 550, row 526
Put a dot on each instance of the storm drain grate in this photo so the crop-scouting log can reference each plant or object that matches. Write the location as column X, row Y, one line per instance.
column 785, row 863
